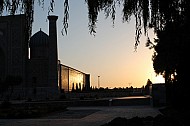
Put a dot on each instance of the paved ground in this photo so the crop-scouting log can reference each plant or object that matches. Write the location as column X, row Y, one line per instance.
column 84, row 116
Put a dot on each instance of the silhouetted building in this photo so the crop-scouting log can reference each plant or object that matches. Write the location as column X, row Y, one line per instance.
column 158, row 94
column 43, row 74
column 71, row 78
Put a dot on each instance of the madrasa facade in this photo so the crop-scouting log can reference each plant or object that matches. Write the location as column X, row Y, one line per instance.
column 35, row 61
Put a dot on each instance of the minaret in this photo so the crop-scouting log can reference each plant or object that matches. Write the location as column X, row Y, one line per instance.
column 53, row 55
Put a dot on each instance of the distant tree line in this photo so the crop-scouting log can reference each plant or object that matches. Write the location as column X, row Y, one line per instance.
column 145, row 90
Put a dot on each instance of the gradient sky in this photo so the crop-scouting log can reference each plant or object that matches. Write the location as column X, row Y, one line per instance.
column 109, row 54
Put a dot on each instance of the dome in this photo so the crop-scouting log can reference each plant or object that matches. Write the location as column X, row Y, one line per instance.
column 39, row 39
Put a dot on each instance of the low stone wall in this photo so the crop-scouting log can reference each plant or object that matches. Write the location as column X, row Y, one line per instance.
column 101, row 94
column 45, row 104
column 38, row 93
column 93, row 102
column 130, row 102
column 114, row 102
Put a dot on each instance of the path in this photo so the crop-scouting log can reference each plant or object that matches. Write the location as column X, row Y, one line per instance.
column 84, row 116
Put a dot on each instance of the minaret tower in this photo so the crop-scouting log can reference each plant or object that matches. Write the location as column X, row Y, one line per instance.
column 53, row 54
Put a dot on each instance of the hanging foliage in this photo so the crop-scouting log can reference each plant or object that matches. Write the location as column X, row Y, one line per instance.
column 12, row 7
column 148, row 13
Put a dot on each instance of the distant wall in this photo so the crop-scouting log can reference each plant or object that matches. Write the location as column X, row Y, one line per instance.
column 101, row 94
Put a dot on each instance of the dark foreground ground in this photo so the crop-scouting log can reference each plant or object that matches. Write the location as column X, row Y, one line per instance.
column 105, row 116
column 168, row 117
column 84, row 116
column 119, row 113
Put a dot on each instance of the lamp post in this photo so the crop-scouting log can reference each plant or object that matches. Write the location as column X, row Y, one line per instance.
column 98, row 81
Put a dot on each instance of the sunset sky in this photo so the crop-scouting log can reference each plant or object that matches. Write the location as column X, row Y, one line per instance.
column 109, row 54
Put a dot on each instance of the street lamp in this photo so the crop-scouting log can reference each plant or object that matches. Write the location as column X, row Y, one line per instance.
column 98, row 81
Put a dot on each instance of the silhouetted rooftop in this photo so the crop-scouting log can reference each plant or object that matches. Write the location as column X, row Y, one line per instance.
column 39, row 39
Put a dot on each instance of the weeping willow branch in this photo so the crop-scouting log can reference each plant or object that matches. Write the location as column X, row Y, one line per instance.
column 20, row 6
column 26, row 7
column 65, row 18
column 93, row 10
column 154, row 14
column 51, row 7
column 1, row 6
column 130, row 7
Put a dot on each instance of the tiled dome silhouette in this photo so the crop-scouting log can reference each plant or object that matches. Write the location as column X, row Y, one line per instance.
column 39, row 39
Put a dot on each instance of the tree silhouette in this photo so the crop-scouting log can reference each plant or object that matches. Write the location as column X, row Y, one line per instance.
column 147, row 87
column 170, row 21
column 170, row 58
column 73, row 87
